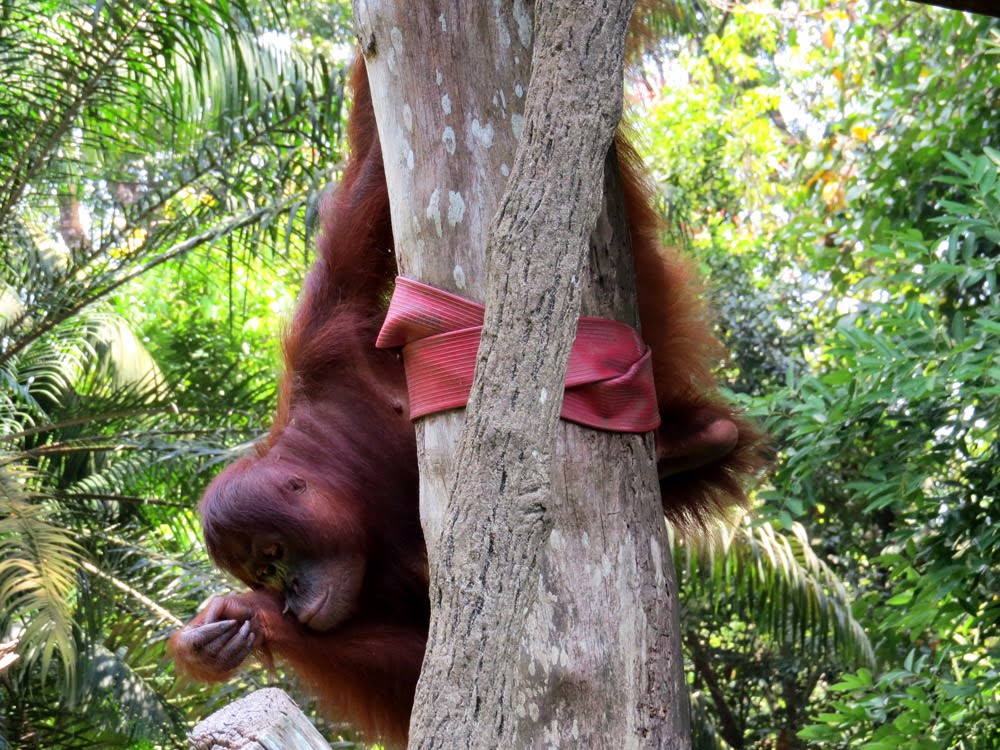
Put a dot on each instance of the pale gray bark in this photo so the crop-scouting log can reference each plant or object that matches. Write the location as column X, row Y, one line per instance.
column 554, row 604
column 264, row 720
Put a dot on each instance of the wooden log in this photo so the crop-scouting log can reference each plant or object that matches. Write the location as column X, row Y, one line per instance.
column 264, row 720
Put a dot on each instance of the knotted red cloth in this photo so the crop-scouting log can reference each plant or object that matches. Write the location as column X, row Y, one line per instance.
column 609, row 384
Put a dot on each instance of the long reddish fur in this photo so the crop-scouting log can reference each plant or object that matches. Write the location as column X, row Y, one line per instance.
column 342, row 419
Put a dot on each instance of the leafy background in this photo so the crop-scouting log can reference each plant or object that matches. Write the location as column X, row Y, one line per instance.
column 833, row 164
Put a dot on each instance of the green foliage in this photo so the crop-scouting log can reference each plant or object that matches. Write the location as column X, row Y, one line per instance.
column 779, row 583
column 834, row 165
column 916, row 426
column 37, row 578
column 761, row 595
column 157, row 165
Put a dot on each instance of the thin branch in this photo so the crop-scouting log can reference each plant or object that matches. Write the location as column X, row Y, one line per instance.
column 83, row 420
column 134, row 500
column 61, row 127
column 122, row 586
column 181, row 248
column 64, row 449
column 731, row 731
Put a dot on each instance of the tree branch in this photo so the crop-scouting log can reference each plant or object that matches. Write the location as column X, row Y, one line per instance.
column 983, row 7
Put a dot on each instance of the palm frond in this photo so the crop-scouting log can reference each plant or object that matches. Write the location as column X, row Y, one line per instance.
column 138, row 140
column 704, row 735
column 64, row 61
column 38, row 563
column 124, row 703
column 777, row 581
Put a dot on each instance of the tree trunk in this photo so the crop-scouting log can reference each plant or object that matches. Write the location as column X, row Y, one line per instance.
column 554, row 599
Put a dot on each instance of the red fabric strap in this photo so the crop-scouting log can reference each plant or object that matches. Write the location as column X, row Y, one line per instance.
column 609, row 384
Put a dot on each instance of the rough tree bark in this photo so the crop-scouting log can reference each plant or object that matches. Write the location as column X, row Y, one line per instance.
column 554, row 602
